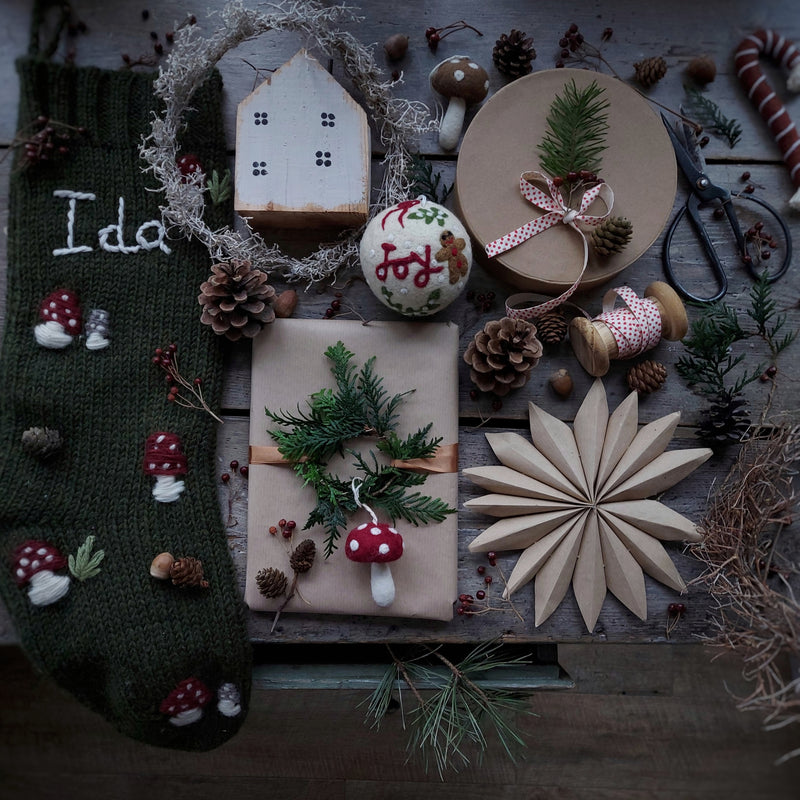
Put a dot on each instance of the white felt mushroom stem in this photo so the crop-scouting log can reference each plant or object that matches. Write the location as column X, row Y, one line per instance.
column 167, row 488
column 452, row 123
column 382, row 584
column 46, row 587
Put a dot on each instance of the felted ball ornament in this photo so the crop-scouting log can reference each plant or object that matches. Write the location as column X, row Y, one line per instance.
column 416, row 257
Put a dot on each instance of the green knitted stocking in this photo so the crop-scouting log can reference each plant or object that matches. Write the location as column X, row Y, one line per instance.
column 95, row 285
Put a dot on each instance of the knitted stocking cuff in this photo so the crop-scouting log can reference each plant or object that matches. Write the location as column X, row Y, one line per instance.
column 95, row 285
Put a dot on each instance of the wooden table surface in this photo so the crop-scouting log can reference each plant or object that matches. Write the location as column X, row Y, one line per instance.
column 677, row 31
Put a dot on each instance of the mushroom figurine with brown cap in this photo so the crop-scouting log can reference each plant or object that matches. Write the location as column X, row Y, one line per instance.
column 376, row 544
column 465, row 83
column 35, row 565
column 186, row 702
column 165, row 461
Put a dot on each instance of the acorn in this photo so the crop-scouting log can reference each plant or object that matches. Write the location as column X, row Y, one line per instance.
column 396, row 46
column 161, row 566
column 561, row 381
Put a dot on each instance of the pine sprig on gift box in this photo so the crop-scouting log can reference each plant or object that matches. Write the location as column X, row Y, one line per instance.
column 359, row 407
column 575, row 138
column 709, row 114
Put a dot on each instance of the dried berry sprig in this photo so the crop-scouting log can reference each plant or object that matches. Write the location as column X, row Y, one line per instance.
column 573, row 45
column 45, row 140
column 674, row 613
column 301, row 560
column 181, row 391
column 481, row 603
column 235, row 481
column 435, row 35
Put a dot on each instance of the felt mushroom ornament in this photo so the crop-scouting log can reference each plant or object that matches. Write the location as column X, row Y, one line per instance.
column 61, row 320
column 464, row 83
column 164, row 460
column 186, row 702
column 35, row 565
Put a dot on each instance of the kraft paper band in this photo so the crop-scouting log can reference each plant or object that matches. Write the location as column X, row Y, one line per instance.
column 444, row 460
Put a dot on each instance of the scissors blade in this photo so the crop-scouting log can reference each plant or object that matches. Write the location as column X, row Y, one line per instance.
column 690, row 161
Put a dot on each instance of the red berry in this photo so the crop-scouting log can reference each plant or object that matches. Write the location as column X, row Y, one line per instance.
column 174, row 389
column 429, row 32
column 336, row 304
column 198, row 381
column 189, row 164
column 224, row 477
column 156, row 360
column 291, row 524
column 749, row 189
column 273, row 530
column 745, row 176
column 171, row 397
column 287, row 534
column 559, row 64
column 497, row 404
column 234, row 465
column 173, row 347
column 433, row 40
column 772, row 370
column 563, row 42
column 481, row 569
column 473, row 394
column 460, row 611
column 558, row 181
column 244, row 472
column 281, row 522
column 488, row 580
column 480, row 594
column 491, row 555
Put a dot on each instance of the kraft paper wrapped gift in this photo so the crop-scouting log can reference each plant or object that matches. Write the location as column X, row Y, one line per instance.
column 289, row 365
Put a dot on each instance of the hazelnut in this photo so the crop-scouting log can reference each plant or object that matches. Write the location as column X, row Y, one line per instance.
column 396, row 46
column 160, row 566
column 561, row 382
column 702, row 69
column 285, row 303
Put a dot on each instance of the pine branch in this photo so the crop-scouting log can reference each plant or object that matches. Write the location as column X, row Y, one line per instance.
column 423, row 180
column 84, row 565
column 763, row 311
column 709, row 114
column 575, row 138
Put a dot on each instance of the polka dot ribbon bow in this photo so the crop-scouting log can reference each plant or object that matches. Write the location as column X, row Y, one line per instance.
column 636, row 328
column 556, row 211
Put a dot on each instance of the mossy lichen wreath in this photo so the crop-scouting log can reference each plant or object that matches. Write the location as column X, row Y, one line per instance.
column 192, row 57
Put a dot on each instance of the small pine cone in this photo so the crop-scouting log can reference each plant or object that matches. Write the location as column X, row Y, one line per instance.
column 41, row 442
column 513, row 53
column 236, row 300
column 551, row 327
column 302, row 558
column 650, row 70
column 611, row 236
column 724, row 422
column 647, row 377
column 186, row 572
column 502, row 355
column 271, row 582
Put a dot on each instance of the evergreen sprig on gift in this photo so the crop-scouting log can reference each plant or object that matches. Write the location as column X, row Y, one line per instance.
column 709, row 114
column 575, row 138
column 359, row 406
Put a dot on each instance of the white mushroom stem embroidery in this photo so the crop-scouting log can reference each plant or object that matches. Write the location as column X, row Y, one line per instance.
column 165, row 461
column 35, row 565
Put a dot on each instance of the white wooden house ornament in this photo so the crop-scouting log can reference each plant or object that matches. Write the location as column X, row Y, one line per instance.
column 302, row 151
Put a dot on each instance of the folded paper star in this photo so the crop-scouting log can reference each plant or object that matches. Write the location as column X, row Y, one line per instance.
column 576, row 502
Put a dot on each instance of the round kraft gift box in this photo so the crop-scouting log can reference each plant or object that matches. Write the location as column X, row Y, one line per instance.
column 502, row 142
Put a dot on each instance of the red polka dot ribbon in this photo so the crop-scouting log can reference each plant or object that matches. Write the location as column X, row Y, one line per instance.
column 556, row 211
column 635, row 327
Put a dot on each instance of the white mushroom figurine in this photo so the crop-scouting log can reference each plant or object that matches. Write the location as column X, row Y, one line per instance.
column 376, row 544
column 35, row 564
column 464, row 82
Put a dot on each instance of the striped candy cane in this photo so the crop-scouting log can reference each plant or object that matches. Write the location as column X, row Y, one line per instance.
column 769, row 105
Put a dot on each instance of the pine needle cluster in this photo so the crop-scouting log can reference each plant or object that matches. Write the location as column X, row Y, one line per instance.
column 710, row 116
column 575, row 137
column 423, row 180
column 358, row 407
column 458, row 715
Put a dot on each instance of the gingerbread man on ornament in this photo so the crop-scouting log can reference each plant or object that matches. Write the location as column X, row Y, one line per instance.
column 452, row 252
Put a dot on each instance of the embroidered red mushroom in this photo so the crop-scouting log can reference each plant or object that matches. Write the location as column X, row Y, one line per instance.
column 61, row 319
column 35, row 564
column 164, row 460
column 376, row 544
column 186, row 702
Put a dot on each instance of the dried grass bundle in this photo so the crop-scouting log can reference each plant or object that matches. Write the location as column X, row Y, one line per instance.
column 758, row 615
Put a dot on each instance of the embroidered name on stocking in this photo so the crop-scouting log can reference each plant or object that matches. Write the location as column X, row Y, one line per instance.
column 109, row 238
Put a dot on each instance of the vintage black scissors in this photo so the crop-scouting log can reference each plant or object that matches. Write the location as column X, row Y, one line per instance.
column 692, row 164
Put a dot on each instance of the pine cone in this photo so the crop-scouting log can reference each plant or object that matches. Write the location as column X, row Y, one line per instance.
column 41, row 442
column 646, row 377
column 271, row 582
column 186, row 572
column 302, row 558
column 513, row 53
column 611, row 236
column 236, row 300
column 502, row 355
column 551, row 327
column 725, row 421
column 650, row 70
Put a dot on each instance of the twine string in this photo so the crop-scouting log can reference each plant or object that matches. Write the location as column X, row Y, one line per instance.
column 355, row 488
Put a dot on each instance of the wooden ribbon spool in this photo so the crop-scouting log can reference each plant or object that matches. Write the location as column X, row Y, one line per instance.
column 594, row 342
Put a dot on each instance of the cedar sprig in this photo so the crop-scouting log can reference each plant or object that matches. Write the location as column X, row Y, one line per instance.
column 219, row 188
column 575, row 137
column 423, row 180
column 764, row 312
column 359, row 406
column 709, row 114
column 85, row 564
column 458, row 715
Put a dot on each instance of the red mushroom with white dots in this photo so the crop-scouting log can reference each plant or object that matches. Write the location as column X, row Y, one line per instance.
column 35, row 565
column 61, row 320
column 376, row 544
column 165, row 461
column 186, row 702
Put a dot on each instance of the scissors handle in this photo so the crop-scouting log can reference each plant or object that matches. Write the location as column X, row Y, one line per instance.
column 717, row 270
